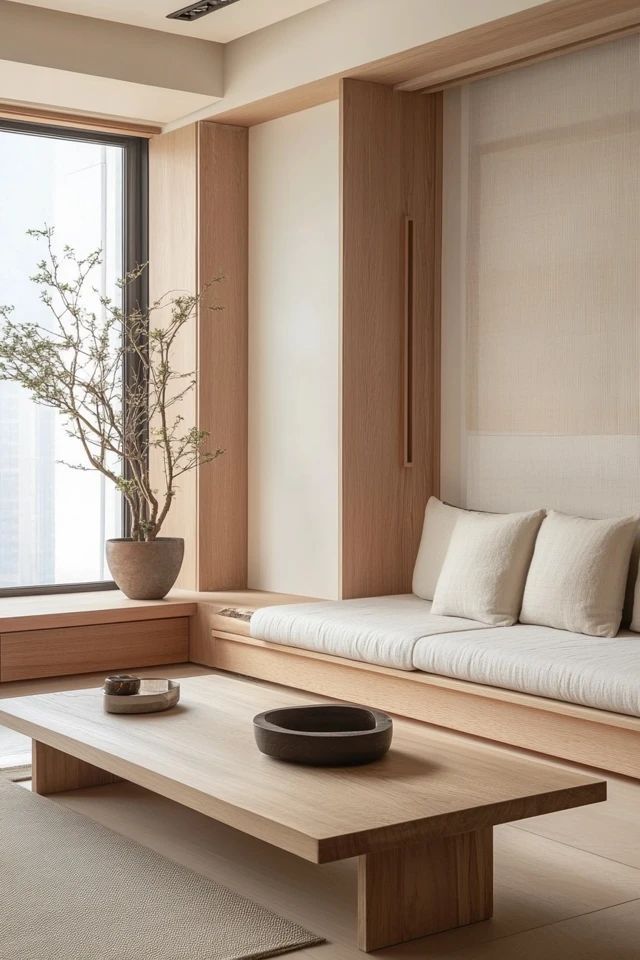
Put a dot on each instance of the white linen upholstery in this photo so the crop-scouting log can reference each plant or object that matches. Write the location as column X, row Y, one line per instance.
column 578, row 574
column 439, row 522
column 594, row 672
column 380, row 630
column 484, row 571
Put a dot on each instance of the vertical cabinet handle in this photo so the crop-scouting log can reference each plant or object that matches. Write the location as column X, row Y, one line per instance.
column 408, row 378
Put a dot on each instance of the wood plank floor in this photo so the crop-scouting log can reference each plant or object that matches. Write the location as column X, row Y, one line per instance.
column 567, row 885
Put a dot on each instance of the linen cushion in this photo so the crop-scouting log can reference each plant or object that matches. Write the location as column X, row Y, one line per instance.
column 380, row 630
column 484, row 571
column 439, row 522
column 578, row 574
column 591, row 671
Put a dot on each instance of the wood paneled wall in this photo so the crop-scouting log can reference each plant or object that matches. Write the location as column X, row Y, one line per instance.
column 223, row 152
column 172, row 266
column 198, row 230
column 391, row 150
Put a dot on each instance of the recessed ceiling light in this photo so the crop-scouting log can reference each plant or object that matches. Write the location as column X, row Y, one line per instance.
column 196, row 10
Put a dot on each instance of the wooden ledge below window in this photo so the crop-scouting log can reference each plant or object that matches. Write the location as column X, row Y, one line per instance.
column 62, row 634
column 79, row 609
column 110, row 606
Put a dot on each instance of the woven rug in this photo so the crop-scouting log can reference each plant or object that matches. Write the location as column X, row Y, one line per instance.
column 17, row 773
column 15, row 755
column 71, row 889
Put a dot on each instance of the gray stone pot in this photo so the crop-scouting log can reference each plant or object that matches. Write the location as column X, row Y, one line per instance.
column 145, row 570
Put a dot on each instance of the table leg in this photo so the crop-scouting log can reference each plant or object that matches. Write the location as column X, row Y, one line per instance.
column 412, row 891
column 54, row 771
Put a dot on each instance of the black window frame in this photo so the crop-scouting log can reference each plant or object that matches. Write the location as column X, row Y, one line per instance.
column 135, row 251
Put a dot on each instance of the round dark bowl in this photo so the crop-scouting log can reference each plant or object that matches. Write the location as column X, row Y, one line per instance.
column 324, row 735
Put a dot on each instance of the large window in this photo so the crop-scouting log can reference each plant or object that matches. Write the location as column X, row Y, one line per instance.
column 92, row 189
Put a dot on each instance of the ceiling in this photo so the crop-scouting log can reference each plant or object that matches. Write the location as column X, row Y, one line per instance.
column 224, row 25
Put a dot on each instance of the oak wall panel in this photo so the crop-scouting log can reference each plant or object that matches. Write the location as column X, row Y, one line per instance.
column 197, row 231
column 391, row 144
column 172, row 266
column 223, row 353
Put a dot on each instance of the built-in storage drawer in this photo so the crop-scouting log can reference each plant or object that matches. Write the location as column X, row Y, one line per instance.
column 56, row 652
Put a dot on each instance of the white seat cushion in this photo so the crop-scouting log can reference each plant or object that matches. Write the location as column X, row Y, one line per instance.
column 594, row 672
column 380, row 630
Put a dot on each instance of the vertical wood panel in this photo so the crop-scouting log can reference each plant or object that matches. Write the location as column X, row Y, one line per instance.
column 390, row 166
column 172, row 266
column 223, row 354
column 198, row 230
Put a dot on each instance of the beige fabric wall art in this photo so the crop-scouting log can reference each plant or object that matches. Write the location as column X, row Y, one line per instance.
column 541, row 365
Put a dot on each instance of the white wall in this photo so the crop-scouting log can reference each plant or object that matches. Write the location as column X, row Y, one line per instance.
column 294, row 353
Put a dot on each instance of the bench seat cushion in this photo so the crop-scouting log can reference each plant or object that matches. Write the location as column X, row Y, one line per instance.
column 379, row 630
column 594, row 672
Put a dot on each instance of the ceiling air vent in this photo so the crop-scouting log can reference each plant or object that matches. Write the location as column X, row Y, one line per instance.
column 196, row 10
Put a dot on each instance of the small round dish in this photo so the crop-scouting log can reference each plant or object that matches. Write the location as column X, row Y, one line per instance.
column 155, row 695
column 324, row 735
column 121, row 685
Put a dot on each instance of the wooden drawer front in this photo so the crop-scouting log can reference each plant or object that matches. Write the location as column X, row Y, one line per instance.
column 105, row 646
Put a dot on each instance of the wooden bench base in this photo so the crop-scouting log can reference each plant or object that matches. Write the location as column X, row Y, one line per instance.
column 595, row 738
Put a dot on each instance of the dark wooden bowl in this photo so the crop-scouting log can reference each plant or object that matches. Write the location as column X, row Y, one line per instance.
column 324, row 735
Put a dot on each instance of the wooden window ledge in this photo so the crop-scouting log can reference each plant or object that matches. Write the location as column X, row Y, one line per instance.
column 110, row 606
column 78, row 609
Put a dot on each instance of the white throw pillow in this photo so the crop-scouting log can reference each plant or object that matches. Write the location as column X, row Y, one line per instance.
column 578, row 574
column 439, row 521
column 484, row 571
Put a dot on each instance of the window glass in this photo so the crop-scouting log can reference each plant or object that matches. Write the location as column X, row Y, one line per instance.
column 53, row 520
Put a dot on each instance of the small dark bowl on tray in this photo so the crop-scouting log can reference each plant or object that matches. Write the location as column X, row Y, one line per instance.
column 324, row 735
column 154, row 695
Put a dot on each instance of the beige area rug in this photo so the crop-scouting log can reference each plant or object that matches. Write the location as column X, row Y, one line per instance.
column 17, row 773
column 71, row 889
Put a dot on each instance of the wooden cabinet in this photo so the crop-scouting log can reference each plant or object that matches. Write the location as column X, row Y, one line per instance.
column 59, row 651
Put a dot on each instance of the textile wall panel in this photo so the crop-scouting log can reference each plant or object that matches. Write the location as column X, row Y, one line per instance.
column 541, row 371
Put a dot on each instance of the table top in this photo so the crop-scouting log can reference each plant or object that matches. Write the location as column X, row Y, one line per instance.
column 202, row 754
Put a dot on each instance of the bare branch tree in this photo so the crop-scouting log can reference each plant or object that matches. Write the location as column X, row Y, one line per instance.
column 76, row 365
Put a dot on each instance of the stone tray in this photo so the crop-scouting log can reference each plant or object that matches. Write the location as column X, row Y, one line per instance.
column 152, row 698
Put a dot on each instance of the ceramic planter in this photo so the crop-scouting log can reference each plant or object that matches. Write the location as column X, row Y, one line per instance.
column 145, row 570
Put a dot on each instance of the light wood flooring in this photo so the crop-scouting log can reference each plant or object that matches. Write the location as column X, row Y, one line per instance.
column 567, row 885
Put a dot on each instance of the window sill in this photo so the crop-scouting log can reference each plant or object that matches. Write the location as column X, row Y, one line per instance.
column 77, row 609
column 44, row 611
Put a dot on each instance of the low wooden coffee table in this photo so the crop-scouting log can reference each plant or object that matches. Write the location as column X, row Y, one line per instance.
column 420, row 821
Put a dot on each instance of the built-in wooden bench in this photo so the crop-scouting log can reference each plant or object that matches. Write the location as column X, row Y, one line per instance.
column 597, row 738
column 62, row 634
column 79, row 633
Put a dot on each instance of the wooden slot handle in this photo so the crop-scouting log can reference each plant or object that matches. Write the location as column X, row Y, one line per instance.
column 408, row 342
